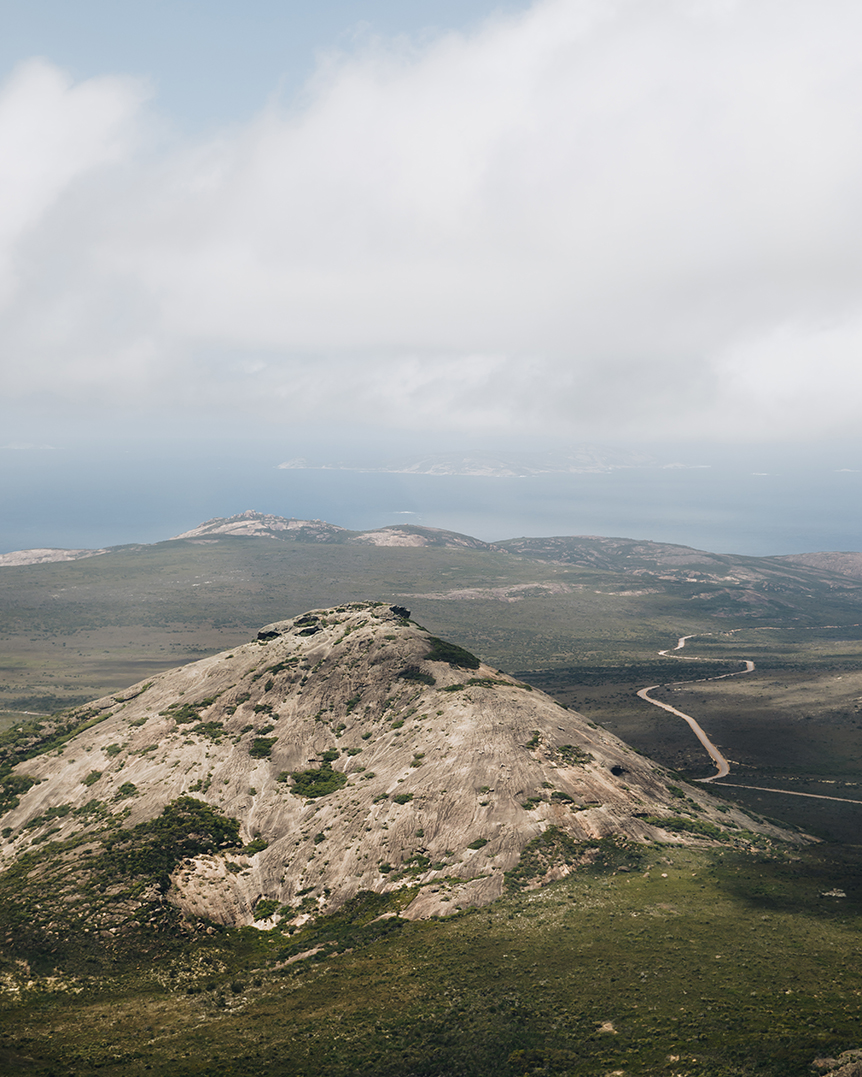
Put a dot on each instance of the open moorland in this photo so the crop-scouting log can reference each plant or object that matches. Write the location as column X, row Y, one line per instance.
column 657, row 961
column 729, row 956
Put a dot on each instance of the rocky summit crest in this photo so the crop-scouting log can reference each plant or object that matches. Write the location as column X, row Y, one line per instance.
column 345, row 750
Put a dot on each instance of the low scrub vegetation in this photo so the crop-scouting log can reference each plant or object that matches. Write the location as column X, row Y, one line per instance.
column 712, row 963
column 316, row 782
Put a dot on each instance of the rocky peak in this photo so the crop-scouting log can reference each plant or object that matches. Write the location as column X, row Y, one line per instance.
column 350, row 750
column 251, row 524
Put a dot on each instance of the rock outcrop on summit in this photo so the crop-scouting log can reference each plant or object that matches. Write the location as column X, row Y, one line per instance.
column 349, row 750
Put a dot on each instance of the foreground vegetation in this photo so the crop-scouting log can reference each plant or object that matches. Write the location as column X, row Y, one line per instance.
column 656, row 961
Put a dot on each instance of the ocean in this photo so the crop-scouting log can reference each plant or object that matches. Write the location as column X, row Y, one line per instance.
column 742, row 503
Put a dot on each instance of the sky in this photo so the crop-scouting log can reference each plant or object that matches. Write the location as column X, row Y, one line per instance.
column 355, row 224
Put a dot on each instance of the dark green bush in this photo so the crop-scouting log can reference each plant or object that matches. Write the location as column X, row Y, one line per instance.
column 186, row 712
column 265, row 908
column 317, row 782
column 443, row 651
column 12, row 788
column 52, row 813
column 213, row 730
column 573, row 755
column 680, row 824
column 186, row 828
column 414, row 673
column 261, row 747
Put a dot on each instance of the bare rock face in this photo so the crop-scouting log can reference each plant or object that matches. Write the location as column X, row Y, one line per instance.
column 251, row 524
column 355, row 751
column 44, row 556
column 848, row 1064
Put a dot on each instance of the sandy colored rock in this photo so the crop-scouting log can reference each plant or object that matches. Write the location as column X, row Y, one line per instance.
column 448, row 771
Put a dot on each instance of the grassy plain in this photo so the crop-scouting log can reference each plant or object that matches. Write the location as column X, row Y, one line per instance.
column 699, row 962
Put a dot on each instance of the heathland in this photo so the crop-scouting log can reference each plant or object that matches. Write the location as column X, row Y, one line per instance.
column 611, row 912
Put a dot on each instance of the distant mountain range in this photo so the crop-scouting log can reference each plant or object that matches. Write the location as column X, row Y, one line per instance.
column 631, row 556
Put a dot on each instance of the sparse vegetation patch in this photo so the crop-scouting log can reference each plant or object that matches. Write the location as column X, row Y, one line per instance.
column 317, row 782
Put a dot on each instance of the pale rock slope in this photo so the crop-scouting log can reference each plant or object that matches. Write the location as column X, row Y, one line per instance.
column 44, row 556
column 434, row 772
column 251, row 524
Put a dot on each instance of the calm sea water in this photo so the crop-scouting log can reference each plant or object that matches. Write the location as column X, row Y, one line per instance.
column 86, row 499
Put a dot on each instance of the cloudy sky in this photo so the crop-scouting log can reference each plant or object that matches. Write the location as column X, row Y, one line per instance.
column 573, row 218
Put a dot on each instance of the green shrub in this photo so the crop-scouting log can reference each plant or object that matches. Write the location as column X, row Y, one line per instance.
column 213, row 730
column 265, row 908
column 457, row 657
column 317, row 782
column 573, row 755
column 12, row 788
column 112, row 750
column 681, row 824
column 52, row 813
column 479, row 843
column 256, row 846
column 183, row 713
column 402, row 798
column 186, row 828
column 91, row 778
column 414, row 673
column 261, row 747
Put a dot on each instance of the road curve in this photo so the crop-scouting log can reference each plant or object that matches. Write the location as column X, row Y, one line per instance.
column 722, row 765
column 716, row 756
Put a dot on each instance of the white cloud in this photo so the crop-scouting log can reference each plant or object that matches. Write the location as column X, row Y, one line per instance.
column 596, row 217
column 52, row 132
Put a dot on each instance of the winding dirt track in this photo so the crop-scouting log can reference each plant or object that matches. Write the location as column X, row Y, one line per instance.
column 721, row 762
